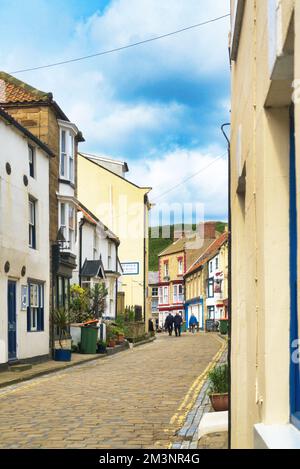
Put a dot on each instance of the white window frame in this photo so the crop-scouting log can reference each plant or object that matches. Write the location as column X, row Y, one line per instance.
column 165, row 295
column 32, row 206
column 67, row 154
column 166, row 269
column 180, row 266
column 34, row 306
column 31, row 159
column 67, row 230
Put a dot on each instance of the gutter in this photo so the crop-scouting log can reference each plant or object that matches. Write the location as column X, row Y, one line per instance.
column 229, row 278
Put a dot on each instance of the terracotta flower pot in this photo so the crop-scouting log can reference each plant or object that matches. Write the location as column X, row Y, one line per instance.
column 112, row 343
column 219, row 402
column 121, row 338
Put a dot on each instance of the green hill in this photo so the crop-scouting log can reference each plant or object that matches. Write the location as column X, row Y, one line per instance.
column 156, row 245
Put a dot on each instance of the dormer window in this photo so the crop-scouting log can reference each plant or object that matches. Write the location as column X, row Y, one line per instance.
column 67, row 150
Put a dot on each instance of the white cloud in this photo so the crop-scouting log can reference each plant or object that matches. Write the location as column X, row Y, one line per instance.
column 207, row 184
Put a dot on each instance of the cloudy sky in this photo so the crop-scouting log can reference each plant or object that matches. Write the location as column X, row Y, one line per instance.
column 159, row 106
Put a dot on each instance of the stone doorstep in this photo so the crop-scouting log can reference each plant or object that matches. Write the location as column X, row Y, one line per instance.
column 20, row 367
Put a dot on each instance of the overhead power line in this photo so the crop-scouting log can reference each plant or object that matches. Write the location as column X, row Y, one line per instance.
column 183, row 181
column 117, row 49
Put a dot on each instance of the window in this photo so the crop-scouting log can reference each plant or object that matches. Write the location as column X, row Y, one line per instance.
column 109, row 260
column 71, row 226
column 166, row 295
column 154, row 291
column 35, row 310
column 210, row 267
column 154, row 304
column 211, row 312
column 218, row 286
column 180, row 266
column 178, row 294
column 31, row 156
column 217, row 263
column 67, row 154
column 67, row 215
column 63, row 288
column 160, row 295
column 166, row 269
column 210, row 288
column 32, row 223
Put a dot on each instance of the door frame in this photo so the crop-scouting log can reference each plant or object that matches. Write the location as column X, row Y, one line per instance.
column 9, row 358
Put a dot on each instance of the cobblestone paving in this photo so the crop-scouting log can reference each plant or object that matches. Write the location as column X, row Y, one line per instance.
column 131, row 400
column 214, row 441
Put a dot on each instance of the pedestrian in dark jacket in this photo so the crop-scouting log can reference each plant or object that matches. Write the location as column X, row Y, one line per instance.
column 169, row 323
column 177, row 324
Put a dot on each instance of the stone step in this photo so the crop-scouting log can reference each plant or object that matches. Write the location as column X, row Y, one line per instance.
column 20, row 367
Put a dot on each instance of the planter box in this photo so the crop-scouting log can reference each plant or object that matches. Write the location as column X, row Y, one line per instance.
column 62, row 355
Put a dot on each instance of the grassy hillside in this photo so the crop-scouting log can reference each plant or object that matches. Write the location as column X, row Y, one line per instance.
column 156, row 245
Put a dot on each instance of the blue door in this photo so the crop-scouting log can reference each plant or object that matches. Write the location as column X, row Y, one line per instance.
column 12, row 320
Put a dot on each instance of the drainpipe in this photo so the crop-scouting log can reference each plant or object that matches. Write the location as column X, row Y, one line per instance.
column 81, row 223
column 229, row 280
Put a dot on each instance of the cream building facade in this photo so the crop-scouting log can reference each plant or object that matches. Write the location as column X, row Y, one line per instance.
column 265, row 178
column 24, row 243
column 123, row 207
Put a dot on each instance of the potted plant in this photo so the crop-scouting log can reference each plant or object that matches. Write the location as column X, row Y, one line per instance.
column 110, row 338
column 101, row 346
column 218, row 390
column 62, row 322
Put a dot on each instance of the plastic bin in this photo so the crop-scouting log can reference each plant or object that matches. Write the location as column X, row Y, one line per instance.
column 89, row 337
column 223, row 326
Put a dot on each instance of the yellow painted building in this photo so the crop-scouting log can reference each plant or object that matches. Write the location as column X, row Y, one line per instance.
column 265, row 194
column 123, row 207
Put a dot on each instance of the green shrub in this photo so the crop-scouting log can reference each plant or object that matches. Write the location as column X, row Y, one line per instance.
column 219, row 380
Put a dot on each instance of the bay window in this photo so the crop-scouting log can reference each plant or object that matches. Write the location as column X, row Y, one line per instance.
column 67, row 147
column 67, row 223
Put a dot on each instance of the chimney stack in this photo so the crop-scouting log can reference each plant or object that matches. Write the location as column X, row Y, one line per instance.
column 207, row 230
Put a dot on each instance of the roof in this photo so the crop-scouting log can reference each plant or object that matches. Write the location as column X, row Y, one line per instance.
column 88, row 158
column 210, row 252
column 10, row 120
column 107, row 159
column 153, row 278
column 91, row 218
column 13, row 90
column 16, row 92
column 93, row 269
column 177, row 246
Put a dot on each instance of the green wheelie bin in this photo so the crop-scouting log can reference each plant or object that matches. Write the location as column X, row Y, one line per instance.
column 89, row 337
column 223, row 326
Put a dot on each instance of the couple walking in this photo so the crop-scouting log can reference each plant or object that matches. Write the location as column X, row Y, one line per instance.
column 175, row 321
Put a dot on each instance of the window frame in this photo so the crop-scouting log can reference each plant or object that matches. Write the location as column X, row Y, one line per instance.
column 32, row 225
column 67, row 154
column 35, row 311
column 32, row 165
column 166, row 269
column 68, row 231
column 210, row 287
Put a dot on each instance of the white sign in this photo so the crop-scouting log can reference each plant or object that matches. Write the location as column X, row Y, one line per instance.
column 24, row 294
column 130, row 268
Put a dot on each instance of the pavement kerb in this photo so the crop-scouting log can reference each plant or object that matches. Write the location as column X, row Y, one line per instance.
column 190, row 398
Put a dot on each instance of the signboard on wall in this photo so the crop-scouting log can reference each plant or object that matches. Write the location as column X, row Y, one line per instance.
column 130, row 268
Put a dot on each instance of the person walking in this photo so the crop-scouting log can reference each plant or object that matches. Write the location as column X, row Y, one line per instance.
column 169, row 323
column 177, row 324
column 193, row 323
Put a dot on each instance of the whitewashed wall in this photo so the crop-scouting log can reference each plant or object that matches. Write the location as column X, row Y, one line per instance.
column 14, row 217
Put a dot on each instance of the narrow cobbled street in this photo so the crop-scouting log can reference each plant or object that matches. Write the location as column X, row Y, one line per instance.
column 136, row 399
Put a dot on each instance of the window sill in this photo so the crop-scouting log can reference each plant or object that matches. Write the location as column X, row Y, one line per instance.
column 276, row 436
column 67, row 181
